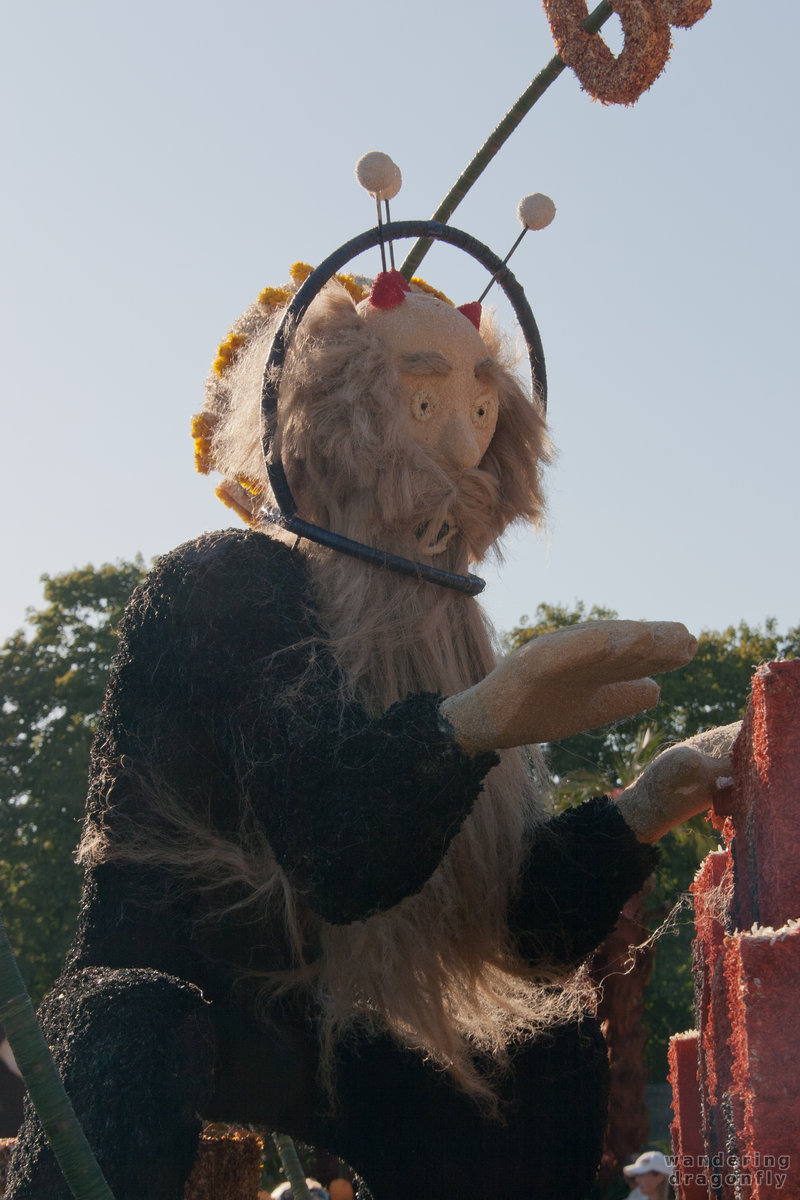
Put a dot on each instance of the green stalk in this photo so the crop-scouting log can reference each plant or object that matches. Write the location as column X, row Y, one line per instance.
column 67, row 1139
column 498, row 138
column 292, row 1166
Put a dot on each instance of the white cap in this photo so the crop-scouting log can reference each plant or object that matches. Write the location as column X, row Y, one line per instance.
column 651, row 1160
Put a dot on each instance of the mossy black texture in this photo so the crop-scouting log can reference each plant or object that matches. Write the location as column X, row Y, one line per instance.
column 223, row 694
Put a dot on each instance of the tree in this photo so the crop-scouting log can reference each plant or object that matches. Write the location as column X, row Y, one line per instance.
column 52, row 680
column 711, row 690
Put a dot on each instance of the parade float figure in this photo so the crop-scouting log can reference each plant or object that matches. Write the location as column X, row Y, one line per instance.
column 322, row 894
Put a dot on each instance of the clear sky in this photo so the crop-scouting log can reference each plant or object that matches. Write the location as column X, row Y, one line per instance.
column 164, row 161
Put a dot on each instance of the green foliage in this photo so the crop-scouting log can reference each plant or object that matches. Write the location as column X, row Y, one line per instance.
column 622, row 763
column 550, row 617
column 669, row 999
column 711, row 690
column 52, row 680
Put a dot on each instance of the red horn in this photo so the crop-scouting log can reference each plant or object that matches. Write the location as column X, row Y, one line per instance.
column 388, row 290
column 472, row 312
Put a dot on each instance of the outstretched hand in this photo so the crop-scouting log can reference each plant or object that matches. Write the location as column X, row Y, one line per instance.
column 680, row 783
column 567, row 681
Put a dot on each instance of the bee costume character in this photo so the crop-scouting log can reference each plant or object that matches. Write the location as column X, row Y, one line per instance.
column 322, row 894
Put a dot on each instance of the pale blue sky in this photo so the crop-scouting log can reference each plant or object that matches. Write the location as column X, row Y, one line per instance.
column 164, row 161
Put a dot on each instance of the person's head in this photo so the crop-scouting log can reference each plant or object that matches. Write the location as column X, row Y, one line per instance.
column 394, row 425
column 650, row 1173
column 448, row 377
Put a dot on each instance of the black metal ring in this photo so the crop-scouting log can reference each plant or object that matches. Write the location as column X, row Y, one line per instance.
column 309, row 289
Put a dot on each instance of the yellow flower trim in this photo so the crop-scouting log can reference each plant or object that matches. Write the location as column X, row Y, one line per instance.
column 299, row 272
column 356, row 290
column 202, row 456
column 233, row 504
column 203, row 433
column 204, row 423
column 249, row 485
column 227, row 351
column 430, row 291
column 274, row 297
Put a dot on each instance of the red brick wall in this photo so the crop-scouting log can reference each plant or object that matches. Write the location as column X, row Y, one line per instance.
column 736, row 1078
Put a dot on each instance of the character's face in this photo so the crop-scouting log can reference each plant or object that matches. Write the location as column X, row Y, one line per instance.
column 448, row 377
column 650, row 1182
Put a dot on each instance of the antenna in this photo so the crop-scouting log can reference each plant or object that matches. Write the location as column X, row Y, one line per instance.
column 535, row 212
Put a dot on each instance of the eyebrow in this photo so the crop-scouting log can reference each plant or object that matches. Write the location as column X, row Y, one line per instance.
column 432, row 362
column 424, row 362
column 487, row 370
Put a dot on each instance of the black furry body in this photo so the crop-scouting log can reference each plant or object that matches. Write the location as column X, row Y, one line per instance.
column 152, row 1023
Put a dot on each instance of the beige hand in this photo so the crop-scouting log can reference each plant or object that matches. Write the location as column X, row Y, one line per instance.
column 564, row 682
column 679, row 783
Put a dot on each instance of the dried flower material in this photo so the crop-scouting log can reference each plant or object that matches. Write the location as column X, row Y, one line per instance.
column 357, row 291
column 228, row 1164
column 299, row 272
column 234, row 497
column 227, row 352
column 419, row 285
column 203, row 432
column 272, row 297
column 685, row 13
column 606, row 77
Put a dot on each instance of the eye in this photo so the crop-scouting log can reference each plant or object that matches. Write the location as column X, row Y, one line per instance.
column 483, row 410
column 424, row 403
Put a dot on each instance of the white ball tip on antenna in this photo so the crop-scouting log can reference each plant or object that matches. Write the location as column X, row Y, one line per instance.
column 536, row 211
column 378, row 175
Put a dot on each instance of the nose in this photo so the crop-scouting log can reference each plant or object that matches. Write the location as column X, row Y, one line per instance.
column 458, row 443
